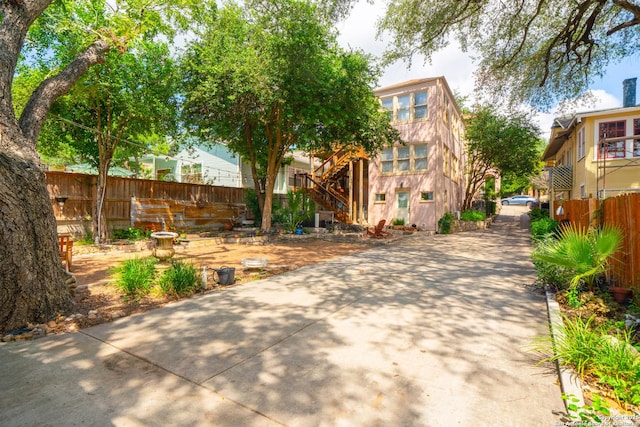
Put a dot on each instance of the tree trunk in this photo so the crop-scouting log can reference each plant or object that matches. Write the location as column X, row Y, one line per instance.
column 268, row 203
column 99, row 222
column 32, row 279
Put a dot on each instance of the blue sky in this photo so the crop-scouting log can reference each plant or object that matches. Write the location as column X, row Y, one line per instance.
column 359, row 32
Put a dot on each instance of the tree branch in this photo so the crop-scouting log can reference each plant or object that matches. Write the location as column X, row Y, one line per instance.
column 36, row 110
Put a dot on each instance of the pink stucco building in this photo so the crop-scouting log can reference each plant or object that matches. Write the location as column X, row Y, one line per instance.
column 422, row 180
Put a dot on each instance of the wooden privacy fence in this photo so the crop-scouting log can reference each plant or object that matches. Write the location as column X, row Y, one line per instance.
column 623, row 212
column 140, row 202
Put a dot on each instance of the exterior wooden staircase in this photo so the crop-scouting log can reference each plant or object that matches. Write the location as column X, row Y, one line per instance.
column 323, row 185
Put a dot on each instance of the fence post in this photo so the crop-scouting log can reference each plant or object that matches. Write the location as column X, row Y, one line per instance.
column 131, row 215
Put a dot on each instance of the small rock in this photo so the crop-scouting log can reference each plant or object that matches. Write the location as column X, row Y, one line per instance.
column 8, row 338
column 52, row 324
column 117, row 314
column 92, row 316
column 72, row 328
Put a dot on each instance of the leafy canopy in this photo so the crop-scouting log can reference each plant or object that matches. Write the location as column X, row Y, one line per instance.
column 499, row 144
column 537, row 51
column 270, row 79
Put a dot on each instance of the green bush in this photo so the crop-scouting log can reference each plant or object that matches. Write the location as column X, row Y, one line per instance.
column 444, row 223
column 132, row 233
column 87, row 239
column 135, row 276
column 584, row 252
column 538, row 213
column 180, row 279
column 473, row 216
column 543, row 227
column 398, row 221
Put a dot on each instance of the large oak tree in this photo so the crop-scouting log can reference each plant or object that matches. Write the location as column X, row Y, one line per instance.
column 32, row 280
column 538, row 51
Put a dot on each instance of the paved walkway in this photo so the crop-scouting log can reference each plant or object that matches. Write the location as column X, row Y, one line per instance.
column 429, row 331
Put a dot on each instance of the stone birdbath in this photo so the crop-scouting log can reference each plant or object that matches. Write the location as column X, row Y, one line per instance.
column 164, row 245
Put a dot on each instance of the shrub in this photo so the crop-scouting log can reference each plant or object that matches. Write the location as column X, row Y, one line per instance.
column 132, row 233
column 471, row 215
column 543, row 227
column 591, row 351
column 180, row 279
column 537, row 213
column 398, row 221
column 135, row 276
column 444, row 223
column 548, row 274
column 87, row 239
column 584, row 252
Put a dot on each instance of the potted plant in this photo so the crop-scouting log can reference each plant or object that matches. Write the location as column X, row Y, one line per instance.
column 620, row 295
column 398, row 224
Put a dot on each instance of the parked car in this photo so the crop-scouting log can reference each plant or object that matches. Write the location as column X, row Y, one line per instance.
column 519, row 200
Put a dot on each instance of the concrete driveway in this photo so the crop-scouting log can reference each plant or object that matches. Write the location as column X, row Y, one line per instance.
column 428, row 331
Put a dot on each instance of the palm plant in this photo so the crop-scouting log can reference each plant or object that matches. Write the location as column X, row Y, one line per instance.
column 584, row 252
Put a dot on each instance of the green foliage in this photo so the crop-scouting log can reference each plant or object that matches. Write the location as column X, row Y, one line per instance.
column 470, row 215
column 444, row 223
column 507, row 144
column 180, row 279
column 270, row 78
column 135, row 276
column 590, row 350
column 86, row 239
column 543, row 227
column 584, row 252
column 538, row 213
column 398, row 221
column 298, row 209
column 132, row 233
column 587, row 413
column 551, row 275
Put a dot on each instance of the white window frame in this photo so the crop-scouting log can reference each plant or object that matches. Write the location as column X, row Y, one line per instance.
column 582, row 144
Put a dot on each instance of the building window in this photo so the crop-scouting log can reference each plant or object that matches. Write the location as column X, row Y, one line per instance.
column 420, row 157
column 420, row 105
column 381, row 198
column 612, row 150
column 583, row 193
column 192, row 173
column 387, row 105
column 636, row 142
column 404, row 159
column 387, row 160
column 446, row 164
column 426, row 196
column 581, row 144
column 404, row 108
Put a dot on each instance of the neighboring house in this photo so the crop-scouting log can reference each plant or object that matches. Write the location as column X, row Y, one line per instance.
column 594, row 154
column 88, row 169
column 217, row 165
column 422, row 180
column 158, row 168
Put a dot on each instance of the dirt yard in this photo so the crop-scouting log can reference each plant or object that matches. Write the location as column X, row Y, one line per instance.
column 101, row 302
